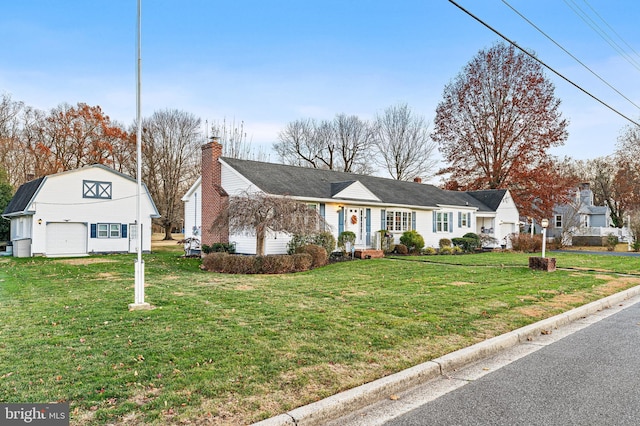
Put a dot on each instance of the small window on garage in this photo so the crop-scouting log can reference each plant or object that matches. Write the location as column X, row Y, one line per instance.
column 95, row 189
column 108, row 230
column 114, row 230
column 103, row 230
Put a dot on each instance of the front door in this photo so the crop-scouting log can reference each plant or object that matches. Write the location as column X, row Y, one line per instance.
column 133, row 238
column 356, row 222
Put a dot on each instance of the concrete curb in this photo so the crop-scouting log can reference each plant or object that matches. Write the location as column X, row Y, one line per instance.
column 346, row 402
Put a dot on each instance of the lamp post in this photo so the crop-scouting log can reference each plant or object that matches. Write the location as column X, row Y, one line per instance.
column 544, row 223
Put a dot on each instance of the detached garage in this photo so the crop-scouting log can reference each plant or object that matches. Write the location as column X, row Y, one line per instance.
column 79, row 212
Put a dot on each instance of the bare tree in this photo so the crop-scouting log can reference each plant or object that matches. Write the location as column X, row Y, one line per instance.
column 355, row 140
column 402, row 138
column 170, row 145
column 305, row 143
column 260, row 213
column 235, row 143
column 341, row 144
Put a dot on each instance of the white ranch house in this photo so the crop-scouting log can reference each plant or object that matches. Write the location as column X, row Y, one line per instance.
column 79, row 212
column 348, row 202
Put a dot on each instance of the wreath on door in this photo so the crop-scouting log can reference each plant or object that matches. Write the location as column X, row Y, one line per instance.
column 354, row 219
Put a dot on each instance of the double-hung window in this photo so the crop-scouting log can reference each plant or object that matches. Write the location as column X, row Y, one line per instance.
column 465, row 220
column 108, row 230
column 558, row 221
column 442, row 222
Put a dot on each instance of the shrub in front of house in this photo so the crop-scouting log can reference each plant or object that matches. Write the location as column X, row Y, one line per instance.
column 525, row 243
column 611, row 242
column 344, row 238
column 275, row 264
column 445, row 250
column 401, row 249
column 302, row 262
column 327, row 240
column 270, row 264
column 477, row 243
column 413, row 240
column 487, row 240
column 444, row 242
column 323, row 239
column 318, row 254
column 468, row 243
column 429, row 251
column 212, row 261
column 296, row 241
column 218, row 248
column 457, row 250
column 239, row 264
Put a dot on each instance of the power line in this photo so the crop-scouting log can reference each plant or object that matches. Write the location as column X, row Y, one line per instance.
column 569, row 53
column 603, row 34
column 514, row 44
column 611, row 28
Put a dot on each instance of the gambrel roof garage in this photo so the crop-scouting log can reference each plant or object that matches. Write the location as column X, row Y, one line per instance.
column 78, row 212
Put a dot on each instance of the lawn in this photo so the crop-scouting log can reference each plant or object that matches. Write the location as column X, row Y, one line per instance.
column 229, row 349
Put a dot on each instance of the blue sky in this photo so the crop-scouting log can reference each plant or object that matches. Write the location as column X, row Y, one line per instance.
column 271, row 62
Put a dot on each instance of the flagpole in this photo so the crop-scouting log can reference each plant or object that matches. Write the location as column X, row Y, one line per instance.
column 139, row 302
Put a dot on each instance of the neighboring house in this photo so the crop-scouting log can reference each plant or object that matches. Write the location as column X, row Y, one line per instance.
column 580, row 217
column 348, row 202
column 192, row 211
column 78, row 212
column 500, row 219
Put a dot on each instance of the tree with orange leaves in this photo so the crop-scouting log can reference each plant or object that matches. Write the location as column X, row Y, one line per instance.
column 494, row 126
column 72, row 137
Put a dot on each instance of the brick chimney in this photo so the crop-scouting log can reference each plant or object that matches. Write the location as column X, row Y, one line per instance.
column 214, row 197
column 417, row 179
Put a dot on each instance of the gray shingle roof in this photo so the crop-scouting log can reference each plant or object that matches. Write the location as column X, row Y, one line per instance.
column 23, row 195
column 280, row 179
column 489, row 197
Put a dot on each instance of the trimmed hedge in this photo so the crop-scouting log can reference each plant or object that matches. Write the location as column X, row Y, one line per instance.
column 468, row 243
column 402, row 249
column 323, row 239
column 270, row 264
column 318, row 254
column 444, row 242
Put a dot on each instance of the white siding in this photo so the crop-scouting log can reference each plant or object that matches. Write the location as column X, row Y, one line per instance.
column 277, row 243
column 274, row 243
column 60, row 200
column 192, row 212
column 233, row 183
column 356, row 191
column 244, row 243
column 507, row 219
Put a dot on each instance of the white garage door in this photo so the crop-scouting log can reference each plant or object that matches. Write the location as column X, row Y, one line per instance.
column 66, row 239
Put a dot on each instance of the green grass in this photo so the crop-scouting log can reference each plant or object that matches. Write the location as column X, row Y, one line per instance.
column 236, row 349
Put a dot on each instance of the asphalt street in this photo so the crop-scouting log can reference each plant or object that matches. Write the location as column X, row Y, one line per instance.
column 583, row 373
